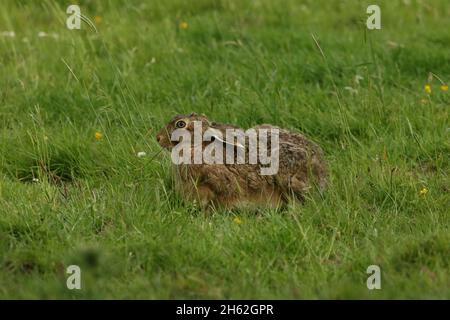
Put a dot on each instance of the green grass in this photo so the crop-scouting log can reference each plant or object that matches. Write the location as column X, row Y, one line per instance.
column 99, row 206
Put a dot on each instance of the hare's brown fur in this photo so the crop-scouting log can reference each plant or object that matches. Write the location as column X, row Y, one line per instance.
column 301, row 166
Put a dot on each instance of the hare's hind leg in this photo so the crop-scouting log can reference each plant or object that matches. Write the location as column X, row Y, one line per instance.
column 205, row 196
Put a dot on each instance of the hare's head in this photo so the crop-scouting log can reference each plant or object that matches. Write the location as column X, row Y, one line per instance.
column 181, row 122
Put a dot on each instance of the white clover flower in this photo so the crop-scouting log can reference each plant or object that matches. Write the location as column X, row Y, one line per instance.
column 9, row 34
column 358, row 78
column 141, row 154
column 351, row 90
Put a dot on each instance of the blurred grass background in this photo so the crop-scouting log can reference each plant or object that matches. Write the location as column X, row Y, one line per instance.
column 68, row 198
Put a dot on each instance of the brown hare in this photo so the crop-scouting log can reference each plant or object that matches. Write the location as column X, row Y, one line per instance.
column 301, row 166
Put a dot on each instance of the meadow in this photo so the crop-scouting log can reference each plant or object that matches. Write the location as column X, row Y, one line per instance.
column 77, row 107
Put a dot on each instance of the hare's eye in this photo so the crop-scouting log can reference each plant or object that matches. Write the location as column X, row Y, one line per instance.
column 180, row 124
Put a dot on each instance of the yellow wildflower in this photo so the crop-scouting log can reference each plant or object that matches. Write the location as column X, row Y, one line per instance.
column 98, row 19
column 423, row 192
column 98, row 136
column 237, row 220
column 444, row 87
column 184, row 25
column 427, row 88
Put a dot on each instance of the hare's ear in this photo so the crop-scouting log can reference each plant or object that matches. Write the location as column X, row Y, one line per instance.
column 218, row 136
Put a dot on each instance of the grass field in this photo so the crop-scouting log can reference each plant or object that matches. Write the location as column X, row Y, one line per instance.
column 68, row 197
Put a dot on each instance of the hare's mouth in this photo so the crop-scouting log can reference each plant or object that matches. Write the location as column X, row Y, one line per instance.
column 163, row 141
column 167, row 146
